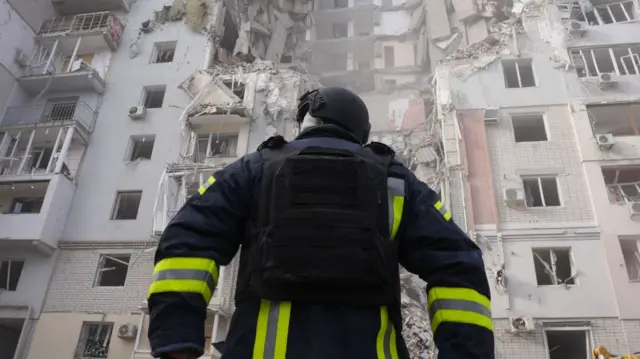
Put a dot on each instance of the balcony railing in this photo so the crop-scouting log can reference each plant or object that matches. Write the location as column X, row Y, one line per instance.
column 105, row 21
column 52, row 113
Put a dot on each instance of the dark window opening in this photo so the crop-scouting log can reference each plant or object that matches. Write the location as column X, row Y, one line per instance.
column 541, row 191
column 10, row 272
column 26, row 205
column 154, row 97
column 127, row 204
column 142, row 147
column 553, row 266
column 529, row 127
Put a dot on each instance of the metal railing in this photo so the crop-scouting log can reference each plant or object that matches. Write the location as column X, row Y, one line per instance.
column 90, row 22
column 51, row 113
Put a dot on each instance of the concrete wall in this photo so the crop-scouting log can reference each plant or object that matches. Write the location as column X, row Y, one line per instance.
column 34, row 12
column 90, row 214
column 73, row 278
column 32, row 286
column 558, row 156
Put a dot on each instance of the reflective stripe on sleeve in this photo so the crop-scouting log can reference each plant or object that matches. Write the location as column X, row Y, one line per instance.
column 443, row 211
column 206, row 185
column 458, row 305
column 395, row 188
column 272, row 330
column 183, row 274
column 386, row 341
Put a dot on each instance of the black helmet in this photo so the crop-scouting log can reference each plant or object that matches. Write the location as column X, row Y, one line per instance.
column 338, row 106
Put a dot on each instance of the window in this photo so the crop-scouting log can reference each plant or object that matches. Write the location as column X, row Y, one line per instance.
column 623, row 183
column 568, row 343
column 619, row 60
column 154, row 96
column 631, row 253
column 554, row 266
column 126, row 206
column 518, row 73
column 614, row 13
column 237, row 87
column 40, row 157
column 340, row 30
column 389, row 57
column 163, row 52
column 61, row 109
column 217, row 144
column 112, row 270
column 529, row 127
column 541, row 191
column 10, row 272
column 94, row 340
column 26, row 205
column 618, row 119
column 141, row 147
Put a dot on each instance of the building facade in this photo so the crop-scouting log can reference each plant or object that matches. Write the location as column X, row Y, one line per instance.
column 539, row 142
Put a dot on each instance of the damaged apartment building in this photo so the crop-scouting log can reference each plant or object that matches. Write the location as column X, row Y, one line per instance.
column 539, row 128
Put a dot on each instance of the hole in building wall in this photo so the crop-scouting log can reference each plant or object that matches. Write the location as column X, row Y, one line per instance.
column 529, row 127
column 236, row 87
column 112, row 270
column 553, row 266
column 230, row 33
column 568, row 344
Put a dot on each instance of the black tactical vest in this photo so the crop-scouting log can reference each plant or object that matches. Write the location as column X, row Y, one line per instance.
column 321, row 231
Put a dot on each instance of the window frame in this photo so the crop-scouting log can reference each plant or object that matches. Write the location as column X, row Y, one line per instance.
column 200, row 136
column 554, row 279
column 133, row 142
column 588, row 339
column 102, row 261
column 83, row 339
column 517, row 63
column 9, row 262
column 158, row 47
column 147, row 92
column 545, row 123
column 541, row 192
column 116, row 203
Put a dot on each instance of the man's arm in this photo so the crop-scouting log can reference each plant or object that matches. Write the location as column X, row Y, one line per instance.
column 204, row 235
column 435, row 248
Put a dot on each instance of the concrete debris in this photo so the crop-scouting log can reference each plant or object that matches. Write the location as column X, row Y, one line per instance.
column 416, row 326
column 195, row 13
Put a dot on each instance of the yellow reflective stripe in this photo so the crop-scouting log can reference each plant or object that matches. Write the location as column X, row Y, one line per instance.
column 182, row 286
column 398, row 205
column 272, row 330
column 194, row 263
column 211, row 180
column 445, row 213
column 386, row 339
column 460, row 316
column 395, row 188
column 468, row 294
column 458, row 305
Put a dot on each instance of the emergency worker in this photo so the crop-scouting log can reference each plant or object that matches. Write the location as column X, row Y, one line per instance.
column 323, row 222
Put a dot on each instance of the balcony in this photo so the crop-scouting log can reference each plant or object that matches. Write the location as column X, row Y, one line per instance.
column 33, row 213
column 39, row 153
column 54, row 114
column 99, row 30
column 71, row 7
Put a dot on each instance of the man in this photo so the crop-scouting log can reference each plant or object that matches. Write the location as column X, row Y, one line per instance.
column 323, row 222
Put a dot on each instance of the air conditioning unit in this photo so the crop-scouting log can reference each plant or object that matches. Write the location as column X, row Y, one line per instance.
column 634, row 210
column 137, row 112
column 21, row 58
column 605, row 141
column 607, row 80
column 577, row 27
column 521, row 324
column 514, row 197
column 491, row 115
column 127, row 331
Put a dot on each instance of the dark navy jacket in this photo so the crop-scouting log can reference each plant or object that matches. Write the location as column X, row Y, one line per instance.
column 210, row 226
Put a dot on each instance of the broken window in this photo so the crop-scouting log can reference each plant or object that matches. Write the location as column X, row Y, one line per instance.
column 568, row 343
column 163, row 52
column 554, row 266
column 529, row 127
column 94, row 340
column 154, row 96
column 340, row 30
column 10, row 272
column 236, row 87
column 631, row 253
column 620, row 119
column 39, row 160
column 127, row 204
column 217, row 144
column 541, row 191
column 112, row 270
column 389, row 57
column 26, row 205
column 614, row 13
column 623, row 183
column 518, row 73
column 340, row 4
column 573, row 11
column 141, row 147
column 619, row 60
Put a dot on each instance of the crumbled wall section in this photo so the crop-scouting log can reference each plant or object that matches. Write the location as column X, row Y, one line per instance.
column 74, row 275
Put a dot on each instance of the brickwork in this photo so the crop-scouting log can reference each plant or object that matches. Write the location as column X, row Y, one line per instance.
column 72, row 289
column 510, row 160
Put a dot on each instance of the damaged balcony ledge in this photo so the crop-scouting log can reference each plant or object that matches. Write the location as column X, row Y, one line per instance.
column 51, row 115
column 212, row 114
column 81, row 80
column 99, row 29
